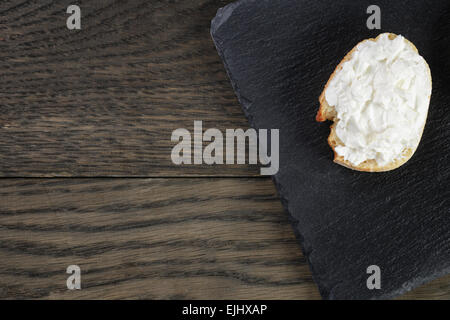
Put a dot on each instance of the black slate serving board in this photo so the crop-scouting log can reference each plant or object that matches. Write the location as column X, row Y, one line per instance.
column 279, row 55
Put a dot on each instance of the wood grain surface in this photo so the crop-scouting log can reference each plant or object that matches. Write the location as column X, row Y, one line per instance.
column 105, row 99
column 102, row 102
column 153, row 238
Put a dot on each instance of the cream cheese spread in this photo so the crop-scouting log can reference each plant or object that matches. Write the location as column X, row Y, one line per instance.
column 381, row 96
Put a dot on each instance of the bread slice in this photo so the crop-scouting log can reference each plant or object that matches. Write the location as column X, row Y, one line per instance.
column 327, row 112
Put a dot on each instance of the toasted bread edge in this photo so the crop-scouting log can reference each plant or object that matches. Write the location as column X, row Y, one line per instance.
column 327, row 112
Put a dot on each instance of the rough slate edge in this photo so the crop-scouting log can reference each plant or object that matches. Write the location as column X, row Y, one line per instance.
column 222, row 16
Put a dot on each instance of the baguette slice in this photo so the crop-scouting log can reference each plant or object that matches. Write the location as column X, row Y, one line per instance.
column 327, row 112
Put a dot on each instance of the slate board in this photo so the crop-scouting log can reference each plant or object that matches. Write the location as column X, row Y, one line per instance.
column 279, row 55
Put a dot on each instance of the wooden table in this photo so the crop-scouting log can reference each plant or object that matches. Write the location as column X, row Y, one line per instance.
column 86, row 118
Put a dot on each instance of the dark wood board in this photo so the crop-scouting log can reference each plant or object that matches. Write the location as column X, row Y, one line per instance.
column 154, row 239
column 149, row 239
column 104, row 100
column 279, row 55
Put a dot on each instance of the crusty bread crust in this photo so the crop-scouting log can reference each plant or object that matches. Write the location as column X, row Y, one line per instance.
column 327, row 112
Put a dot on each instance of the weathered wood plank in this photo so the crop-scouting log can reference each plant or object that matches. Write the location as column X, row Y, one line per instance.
column 104, row 100
column 156, row 238
column 153, row 238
